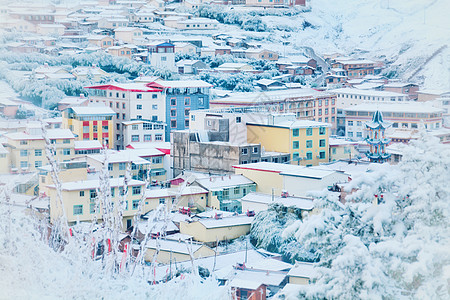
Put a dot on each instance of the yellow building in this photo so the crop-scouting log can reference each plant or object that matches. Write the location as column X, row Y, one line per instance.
column 4, row 160
column 91, row 123
column 68, row 171
column 301, row 273
column 27, row 149
column 193, row 197
column 175, row 251
column 211, row 230
column 341, row 149
column 79, row 200
column 139, row 167
column 306, row 141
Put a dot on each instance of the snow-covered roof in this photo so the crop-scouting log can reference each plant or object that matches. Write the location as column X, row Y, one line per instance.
column 60, row 133
column 398, row 84
column 271, row 96
column 183, row 83
column 339, row 142
column 93, row 110
column 372, row 93
column 296, row 124
column 220, row 182
column 302, row 269
column 402, row 107
column 249, row 284
column 94, row 184
column 121, row 156
column 269, row 264
column 309, row 172
column 299, row 202
column 174, row 246
column 252, row 278
column 88, row 144
column 269, row 166
column 226, row 222
column 127, row 29
column 213, row 212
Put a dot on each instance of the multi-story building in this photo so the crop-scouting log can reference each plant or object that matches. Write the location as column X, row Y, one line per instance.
column 79, row 200
column 136, row 131
column 306, row 104
column 162, row 55
column 27, row 149
column 156, row 101
column 129, row 101
column 91, row 123
column 190, row 152
column 182, row 97
column 401, row 115
column 355, row 68
column 305, row 141
column 347, row 97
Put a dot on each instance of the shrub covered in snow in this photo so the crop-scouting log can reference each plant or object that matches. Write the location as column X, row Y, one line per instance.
column 396, row 249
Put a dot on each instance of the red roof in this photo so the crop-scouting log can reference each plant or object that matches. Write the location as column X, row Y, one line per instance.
column 117, row 88
column 165, row 151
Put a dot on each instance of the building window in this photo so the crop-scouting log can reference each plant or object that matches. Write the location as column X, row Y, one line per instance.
column 173, row 124
column 321, row 143
column 295, row 144
column 38, row 152
column 94, row 128
column 147, row 126
column 322, row 155
column 24, row 164
column 66, row 141
column 295, row 156
column 238, row 119
column 162, row 200
column 66, row 151
column 186, row 112
column 23, row 142
column 350, row 123
column 155, row 106
column 136, row 190
column 135, row 138
column 158, row 137
column 138, row 96
column 359, row 123
column 333, row 150
column 122, row 166
column 156, row 160
column 237, row 190
column 117, row 117
column 244, row 151
column 309, row 143
column 38, row 164
column 147, row 137
column 322, row 130
column 110, row 167
column 295, row 132
column 359, row 134
column 173, row 113
column 77, row 210
column 123, row 116
column 309, row 131
column 135, row 204
column 350, row 133
column 186, row 123
column 81, row 193
column 139, row 106
column 173, row 101
column 134, row 127
column 255, row 149
column 105, row 128
column 309, row 155
column 395, row 125
column 154, row 96
column 187, row 101
column 23, row 152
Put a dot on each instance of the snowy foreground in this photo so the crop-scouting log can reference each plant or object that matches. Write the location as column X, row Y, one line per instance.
column 398, row 249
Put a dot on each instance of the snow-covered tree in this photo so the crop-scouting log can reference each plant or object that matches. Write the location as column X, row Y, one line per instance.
column 396, row 249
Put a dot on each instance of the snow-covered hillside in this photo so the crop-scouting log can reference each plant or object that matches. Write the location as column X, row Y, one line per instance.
column 405, row 33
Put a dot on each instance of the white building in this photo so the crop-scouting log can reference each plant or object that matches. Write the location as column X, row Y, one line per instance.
column 137, row 131
column 402, row 115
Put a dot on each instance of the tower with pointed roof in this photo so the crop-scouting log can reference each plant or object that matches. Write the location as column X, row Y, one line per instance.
column 376, row 138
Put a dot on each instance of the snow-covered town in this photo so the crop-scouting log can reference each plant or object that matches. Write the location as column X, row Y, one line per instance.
column 224, row 149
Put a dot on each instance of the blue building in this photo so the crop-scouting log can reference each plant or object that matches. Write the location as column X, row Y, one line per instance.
column 182, row 96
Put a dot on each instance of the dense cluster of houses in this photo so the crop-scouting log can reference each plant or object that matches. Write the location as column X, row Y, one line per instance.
column 210, row 159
